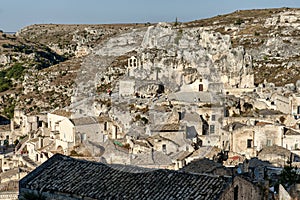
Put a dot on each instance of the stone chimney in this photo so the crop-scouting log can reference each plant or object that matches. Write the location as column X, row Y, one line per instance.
column 114, row 132
column 41, row 142
column 12, row 125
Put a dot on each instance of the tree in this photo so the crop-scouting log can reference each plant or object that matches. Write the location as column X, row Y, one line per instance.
column 289, row 176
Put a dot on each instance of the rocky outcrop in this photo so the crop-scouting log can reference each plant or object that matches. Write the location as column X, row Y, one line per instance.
column 270, row 36
column 228, row 49
column 73, row 40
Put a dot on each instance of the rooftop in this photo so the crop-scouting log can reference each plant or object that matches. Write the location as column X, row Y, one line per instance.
column 63, row 113
column 193, row 97
column 84, row 121
column 206, row 166
column 65, row 175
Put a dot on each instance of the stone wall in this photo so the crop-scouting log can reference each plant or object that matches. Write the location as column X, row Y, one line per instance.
column 9, row 195
column 242, row 189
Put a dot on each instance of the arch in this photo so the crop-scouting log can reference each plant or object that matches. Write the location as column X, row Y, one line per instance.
column 59, row 149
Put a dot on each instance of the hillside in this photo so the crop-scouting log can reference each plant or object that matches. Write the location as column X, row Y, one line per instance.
column 40, row 63
column 270, row 36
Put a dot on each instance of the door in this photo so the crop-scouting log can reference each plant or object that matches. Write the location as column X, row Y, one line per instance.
column 200, row 87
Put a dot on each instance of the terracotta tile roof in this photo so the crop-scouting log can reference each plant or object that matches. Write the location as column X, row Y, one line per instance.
column 64, row 175
column 292, row 132
column 167, row 128
column 103, row 119
column 206, row 166
column 63, row 113
column 235, row 126
column 278, row 150
column 262, row 123
column 84, row 121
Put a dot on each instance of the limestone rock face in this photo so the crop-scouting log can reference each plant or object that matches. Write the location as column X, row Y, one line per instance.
column 4, row 59
column 190, row 75
column 150, row 89
column 230, row 51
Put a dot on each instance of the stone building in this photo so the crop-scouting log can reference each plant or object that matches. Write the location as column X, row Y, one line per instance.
column 79, row 130
column 243, row 188
column 170, row 138
column 248, row 140
column 55, row 179
column 127, row 87
column 28, row 123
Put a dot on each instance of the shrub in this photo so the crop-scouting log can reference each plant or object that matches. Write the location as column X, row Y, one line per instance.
column 15, row 71
column 239, row 21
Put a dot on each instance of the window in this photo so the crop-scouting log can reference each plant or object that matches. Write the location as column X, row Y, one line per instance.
column 212, row 129
column 249, row 143
column 269, row 143
column 164, row 148
column 83, row 137
column 105, row 126
column 296, row 146
column 213, row 118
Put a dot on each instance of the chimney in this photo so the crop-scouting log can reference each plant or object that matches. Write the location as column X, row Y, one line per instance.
column 12, row 125
column 41, row 142
column 114, row 132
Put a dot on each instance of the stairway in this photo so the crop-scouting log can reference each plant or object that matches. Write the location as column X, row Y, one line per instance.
column 29, row 161
column 21, row 145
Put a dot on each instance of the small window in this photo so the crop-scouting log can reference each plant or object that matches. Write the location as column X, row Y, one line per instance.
column 212, row 129
column 164, row 148
column 249, row 143
column 269, row 143
column 213, row 118
column 105, row 126
column 296, row 146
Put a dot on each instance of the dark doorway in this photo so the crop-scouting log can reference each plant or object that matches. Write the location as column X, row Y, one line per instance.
column 236, row 192
column 200, row 87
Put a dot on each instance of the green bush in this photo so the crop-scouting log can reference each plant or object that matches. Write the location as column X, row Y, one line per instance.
column 15, row 72
column 239, row 21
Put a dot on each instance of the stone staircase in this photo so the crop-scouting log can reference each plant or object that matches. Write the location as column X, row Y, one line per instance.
column 29, row 161
column 20, row 146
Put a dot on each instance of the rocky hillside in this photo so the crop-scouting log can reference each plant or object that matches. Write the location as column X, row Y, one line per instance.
column 27, row 83
column 39, row 64
column 73, row 40
column 270, row 36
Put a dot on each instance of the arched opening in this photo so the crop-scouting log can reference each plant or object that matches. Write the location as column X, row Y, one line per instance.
column 60, row 149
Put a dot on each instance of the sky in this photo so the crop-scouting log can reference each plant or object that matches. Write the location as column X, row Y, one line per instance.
column 16, row 14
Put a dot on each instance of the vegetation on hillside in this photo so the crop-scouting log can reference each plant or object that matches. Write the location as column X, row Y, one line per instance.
column 7, row 76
